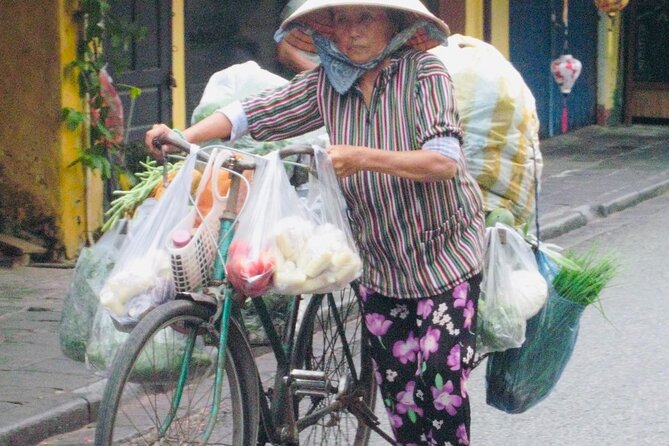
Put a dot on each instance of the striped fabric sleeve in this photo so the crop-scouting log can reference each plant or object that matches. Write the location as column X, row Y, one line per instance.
column 287, row 111
column 448, row 146
column 436, row 112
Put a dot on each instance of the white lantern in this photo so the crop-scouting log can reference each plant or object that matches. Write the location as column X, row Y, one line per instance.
column 566, row 70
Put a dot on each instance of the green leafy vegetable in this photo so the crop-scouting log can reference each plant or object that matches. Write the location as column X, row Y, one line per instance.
column 584, row 284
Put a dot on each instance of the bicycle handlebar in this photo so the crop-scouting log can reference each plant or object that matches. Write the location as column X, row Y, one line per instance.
column 174, row 139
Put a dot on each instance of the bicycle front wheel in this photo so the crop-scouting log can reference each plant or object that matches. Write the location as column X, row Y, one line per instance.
column 320, row 346
column 142, row 403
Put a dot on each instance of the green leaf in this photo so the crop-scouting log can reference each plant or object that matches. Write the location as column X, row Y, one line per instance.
column 412, row 416
column 438, row 381
column 73, row 118
column 388, row 402
column 76, row 161
column 134, row 91
column 104, row 131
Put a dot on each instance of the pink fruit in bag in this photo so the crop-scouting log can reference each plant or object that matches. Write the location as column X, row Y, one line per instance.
column 252, row 277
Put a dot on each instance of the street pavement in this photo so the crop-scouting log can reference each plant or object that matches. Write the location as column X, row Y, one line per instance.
column 588, row 174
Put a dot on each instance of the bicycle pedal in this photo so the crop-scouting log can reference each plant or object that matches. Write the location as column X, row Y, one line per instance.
column 312, row 392
column 310, row 387
column 308, row 375
column 308, row 383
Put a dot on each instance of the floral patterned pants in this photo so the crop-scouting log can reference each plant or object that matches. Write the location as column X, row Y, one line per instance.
column 423, row 351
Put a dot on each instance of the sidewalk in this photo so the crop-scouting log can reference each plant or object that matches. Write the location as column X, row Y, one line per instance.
column 588, row 174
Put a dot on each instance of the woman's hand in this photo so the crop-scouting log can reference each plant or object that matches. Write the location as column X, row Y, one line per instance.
column 346, row 160
column 158, row 133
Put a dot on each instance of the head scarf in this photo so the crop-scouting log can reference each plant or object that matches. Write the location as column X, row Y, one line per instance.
column 341, row 71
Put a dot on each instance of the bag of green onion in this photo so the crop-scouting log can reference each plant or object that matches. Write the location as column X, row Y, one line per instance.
column 519, row 378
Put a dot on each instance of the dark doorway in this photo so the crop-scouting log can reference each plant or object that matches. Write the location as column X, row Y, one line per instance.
column 146, row 64
column 647, row 74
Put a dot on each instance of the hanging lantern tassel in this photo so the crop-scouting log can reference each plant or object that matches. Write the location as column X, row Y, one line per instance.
column 565, row 114
column 566, row 70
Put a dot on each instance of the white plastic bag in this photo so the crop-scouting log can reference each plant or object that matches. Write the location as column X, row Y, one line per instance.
column 251, row 256
column 500, row 124
column 81, row 302
column 317, row 255
column 512, row 290
column 141, row 278
column 288, row 245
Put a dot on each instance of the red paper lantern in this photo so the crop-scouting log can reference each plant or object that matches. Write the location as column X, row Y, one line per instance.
column 611, row 7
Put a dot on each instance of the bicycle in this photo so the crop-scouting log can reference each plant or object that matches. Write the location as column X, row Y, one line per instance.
column 173, row 383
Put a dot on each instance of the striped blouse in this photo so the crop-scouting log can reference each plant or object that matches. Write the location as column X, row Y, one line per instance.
column 417, row 239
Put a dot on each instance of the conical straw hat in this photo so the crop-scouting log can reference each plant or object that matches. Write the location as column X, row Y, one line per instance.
column 315, row 14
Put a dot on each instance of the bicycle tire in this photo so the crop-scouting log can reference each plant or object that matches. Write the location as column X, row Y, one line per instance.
column 319, row 347
column 143, row 378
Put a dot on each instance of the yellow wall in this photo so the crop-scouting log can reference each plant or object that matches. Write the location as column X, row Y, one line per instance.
column 80, row 210
column 474, row 18
column 499, row 26
column 499, row 23
column 178, row 65
column 38, row 193
column 608, row 49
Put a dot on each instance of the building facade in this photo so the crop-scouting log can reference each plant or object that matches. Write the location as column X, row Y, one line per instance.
column 624, row 79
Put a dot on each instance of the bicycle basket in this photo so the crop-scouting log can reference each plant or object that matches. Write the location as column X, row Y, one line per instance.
column 192, row 264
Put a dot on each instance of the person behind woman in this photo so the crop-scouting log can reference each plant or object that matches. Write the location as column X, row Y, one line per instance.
column 389, row 110
column 289, row 52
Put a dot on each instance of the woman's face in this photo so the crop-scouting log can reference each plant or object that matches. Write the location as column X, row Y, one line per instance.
column 361, row 32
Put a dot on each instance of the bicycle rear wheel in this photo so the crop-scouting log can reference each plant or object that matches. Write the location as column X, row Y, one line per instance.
column 320, row 347
column 135, row 407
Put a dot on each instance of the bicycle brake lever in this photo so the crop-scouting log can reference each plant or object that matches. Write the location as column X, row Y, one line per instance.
column 165, row 182
column 156, row 144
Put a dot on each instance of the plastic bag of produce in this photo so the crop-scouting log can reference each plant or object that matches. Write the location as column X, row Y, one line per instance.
column 142, row 278
column 519, row 378
column 252, row 253
column 500, row 124
column 512, row 290
column 317, row 254
column 82, row 300
column 162, row 354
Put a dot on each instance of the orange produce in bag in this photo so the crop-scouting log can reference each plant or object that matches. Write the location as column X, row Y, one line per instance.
column 205, row 199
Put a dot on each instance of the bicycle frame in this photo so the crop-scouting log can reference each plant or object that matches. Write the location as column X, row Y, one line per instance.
column 277, row 411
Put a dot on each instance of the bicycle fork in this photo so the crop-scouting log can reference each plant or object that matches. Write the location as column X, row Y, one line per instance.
column 223, row 318
column 220, row 370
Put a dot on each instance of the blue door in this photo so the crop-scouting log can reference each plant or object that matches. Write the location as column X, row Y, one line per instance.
column 536, row 37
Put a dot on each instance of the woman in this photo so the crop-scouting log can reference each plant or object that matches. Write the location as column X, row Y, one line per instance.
column 416, row 213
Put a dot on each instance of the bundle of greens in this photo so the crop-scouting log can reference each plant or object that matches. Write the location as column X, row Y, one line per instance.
column 150, row 184
column 584, row 284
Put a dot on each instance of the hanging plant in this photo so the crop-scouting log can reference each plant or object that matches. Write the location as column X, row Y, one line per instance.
column 102, row 118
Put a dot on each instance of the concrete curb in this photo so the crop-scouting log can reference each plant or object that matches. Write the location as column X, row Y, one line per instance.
column 64, row 418
column 581, row 216
column 632, row 199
